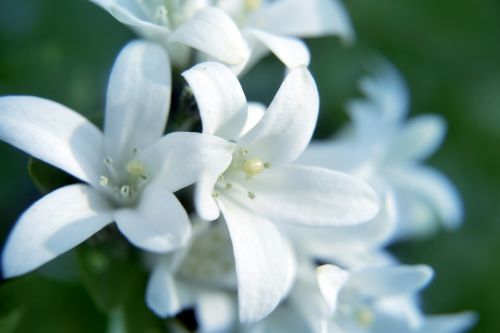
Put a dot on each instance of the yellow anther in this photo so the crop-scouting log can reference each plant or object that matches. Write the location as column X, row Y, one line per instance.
column 125, row 190
column 253, row 166
column 135, row 168
column 251, row 5
column 251, row 195
column 104, row 181
column 365, row 317
column 228, row 186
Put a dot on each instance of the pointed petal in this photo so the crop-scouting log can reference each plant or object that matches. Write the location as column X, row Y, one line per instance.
column 452, row 323
column 308, row 196
column 430, row 187
column 291, row 51
column 312, row 18
column 287, row 126
column 130, row 13
column 261, row 261
column 390, row 281
column 418, row 139
column 221, row 101
column 179, row 159
column 53, row 225
column 211, row 31
column 53, row 133
column 255, row 113
column 161, row 293
column 331, row 279
column 215, row 312
column 158, row 223
column 138, row 99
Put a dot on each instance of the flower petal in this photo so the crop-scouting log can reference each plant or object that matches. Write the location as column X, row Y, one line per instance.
column 287, row 126
column 53, row 133
column 53, row 225
column 312, row 18
column 452, row 323
column 158, row 223
column 424, row 185
column 291, row 51
column 261, row 261
column 162, row 295
column 138, row 99
column 255, row 113
column 331, row 279
column 418, row 139
column 221, row 101
column 391, row 280
column 179, row 159
column 215, row 311
column 211, row 31
column 308, row 196
column 130, row 13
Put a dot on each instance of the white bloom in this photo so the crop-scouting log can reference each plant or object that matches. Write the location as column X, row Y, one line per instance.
column 261, row 188
column 236, row 32
column 131, row 171
column 386, row 151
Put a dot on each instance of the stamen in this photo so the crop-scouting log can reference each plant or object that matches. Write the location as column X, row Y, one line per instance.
column 215, row 194
column 125, row 190
column 103, row 181
column 135, row 168
column 228, row 186
column 365, row 317
column 251, row 195
column 251, row 5
column 243, row 152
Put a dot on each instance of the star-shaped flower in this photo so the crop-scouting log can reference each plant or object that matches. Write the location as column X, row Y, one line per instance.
column 130, row 171
column 261, row 188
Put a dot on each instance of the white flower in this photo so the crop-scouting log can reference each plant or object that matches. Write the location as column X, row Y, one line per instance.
column 261, row 188
column 236, row 32
column 383, row 149
column 131, row 171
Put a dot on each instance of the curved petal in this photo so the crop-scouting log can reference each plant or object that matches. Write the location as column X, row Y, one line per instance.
column 312, row 18
column 138, row 99
column 429, row 186
column 221, row 101
column 215, row 312
column 308, row 196
column 452, row 323
column 331, row 279
column 291, row 51
column 261, row 261
column 255, row 113
column 390, row 281
column 161, row 292
column 287, row 126
column 180, row 159
column 158, row 223
column 211, row 31
column 418, row 139
column 53, row 225
column 130, row 13
column 53, row 133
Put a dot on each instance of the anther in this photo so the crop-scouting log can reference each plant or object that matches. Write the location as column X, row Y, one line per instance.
column 108, row 161
column 228, row 186
column 215, row 194
column 251, row 195
column 104, row 181
column 243, row 152
column 125, row 190
column 253, row 166
column 135, row 168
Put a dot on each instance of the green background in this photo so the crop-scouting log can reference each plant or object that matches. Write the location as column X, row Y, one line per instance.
column 449, row 52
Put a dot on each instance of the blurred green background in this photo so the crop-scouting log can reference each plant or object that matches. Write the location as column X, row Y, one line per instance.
column 448, row 51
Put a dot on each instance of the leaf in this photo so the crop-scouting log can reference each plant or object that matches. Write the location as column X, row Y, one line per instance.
column 48, row 178
column 10, row 320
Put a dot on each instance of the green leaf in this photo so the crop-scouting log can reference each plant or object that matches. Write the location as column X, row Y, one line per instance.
column 10, row 320
column 46, row 177
column 108, row 271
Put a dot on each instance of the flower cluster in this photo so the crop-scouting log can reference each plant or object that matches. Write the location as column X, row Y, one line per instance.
column 284, row 234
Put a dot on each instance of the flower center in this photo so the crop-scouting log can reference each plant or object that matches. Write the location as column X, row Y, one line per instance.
column 251, row 5
column 241, row 173
column 124, row 184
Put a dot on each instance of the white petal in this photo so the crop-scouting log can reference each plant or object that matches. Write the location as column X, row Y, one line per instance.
column 179, row 159
column 418, row 139
column 430, row 187
column 308, row 196
column 287, row 126
column 53, row 133
column 255, row 113
column 215, row 312
column 261, row 261
column 211, row 31
column 51, row 226
column 331, row 279
column 312, row 18
column 130, row 13
column 221, row 101
column 161, row 293
column 453, row 323
column 138, row 99
column 390, row 281
column 158, row 223
column 291, row 51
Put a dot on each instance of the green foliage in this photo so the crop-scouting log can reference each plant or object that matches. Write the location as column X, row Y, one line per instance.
column 46, row 177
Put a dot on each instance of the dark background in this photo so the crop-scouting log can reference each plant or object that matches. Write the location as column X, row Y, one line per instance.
column 448, row 51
